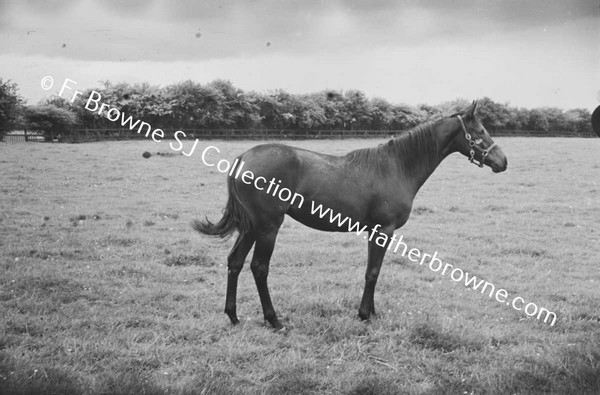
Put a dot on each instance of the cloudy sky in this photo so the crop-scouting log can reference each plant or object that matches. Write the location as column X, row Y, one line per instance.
column 529, row 53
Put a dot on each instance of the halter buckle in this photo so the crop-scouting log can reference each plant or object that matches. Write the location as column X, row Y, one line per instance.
column 473, row 160
column 473, row 144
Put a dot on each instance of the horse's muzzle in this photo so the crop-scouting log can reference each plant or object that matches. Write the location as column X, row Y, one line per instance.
column 499, row 167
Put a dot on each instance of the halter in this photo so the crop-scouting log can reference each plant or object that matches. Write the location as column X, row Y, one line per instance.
column 473, row 144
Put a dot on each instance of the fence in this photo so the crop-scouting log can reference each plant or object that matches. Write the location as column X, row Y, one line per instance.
column 541, row 133
column 22, row 138
column 87, row 135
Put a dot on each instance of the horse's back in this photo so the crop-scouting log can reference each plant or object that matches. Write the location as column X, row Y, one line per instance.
column 311, row 178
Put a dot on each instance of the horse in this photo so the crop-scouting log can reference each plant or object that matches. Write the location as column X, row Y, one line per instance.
column 373, row 186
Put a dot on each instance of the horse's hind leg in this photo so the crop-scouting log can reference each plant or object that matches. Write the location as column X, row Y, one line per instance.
column 265, row 243
column 235, row 262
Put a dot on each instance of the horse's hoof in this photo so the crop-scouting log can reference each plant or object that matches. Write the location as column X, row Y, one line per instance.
column 282, row 330
column 276, row 325
column 364, row 317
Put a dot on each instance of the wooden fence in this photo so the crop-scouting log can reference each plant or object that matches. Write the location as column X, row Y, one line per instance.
column 540, row 133
column 86, row 135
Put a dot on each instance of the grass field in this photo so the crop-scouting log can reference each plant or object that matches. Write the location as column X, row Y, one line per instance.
column 105, row 288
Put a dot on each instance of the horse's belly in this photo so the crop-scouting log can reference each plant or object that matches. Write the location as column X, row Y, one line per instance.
column 321, row 217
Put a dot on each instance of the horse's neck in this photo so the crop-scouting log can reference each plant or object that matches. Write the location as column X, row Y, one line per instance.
column 419, row 154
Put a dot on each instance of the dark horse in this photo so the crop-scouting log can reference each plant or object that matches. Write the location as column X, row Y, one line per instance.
column 374, row 186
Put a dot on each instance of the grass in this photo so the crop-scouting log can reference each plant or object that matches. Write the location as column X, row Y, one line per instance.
column 105, row 288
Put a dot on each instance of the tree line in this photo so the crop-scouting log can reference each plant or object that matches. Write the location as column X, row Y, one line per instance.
column 220, row 105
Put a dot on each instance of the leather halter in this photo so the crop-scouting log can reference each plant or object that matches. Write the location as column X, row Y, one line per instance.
column 473, row 144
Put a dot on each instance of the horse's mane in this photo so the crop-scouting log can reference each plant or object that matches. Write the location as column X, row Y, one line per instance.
column 412, row 151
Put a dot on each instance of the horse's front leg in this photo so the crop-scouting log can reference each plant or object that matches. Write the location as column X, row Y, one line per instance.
column 375, row 258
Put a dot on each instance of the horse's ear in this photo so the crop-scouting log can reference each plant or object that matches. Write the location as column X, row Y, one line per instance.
column 470, row 111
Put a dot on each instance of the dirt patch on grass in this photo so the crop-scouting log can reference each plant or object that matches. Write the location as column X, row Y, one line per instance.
column 77, row 220
column 52, row 255
column 20, row 327
column 118, row 241
column 525, row 251
column 56, row 290
column 189, row 260
column 421, row 210
column 125, row 271
column 168, row 215
column 80, row 217
column 324, row 310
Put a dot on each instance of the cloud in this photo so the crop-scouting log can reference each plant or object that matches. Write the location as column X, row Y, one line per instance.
column 528, row 52
column 117, row 30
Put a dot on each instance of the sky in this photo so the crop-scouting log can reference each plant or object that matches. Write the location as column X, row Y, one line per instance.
column 528, row 53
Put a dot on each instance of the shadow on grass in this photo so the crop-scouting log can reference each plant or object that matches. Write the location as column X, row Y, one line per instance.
column 301, row 379
column 132, row 380
column 433, row 337
column 21, row 379
column 567, row 370
column 376, row 386
column 217, row 383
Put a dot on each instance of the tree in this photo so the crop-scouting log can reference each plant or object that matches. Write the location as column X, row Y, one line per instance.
column 154, row 106
column 219, row 104
column 406, row 117
column 357, row 110
column 187, row 98
column 57, row 101
column 518, row 118
column 226, row 105
column 382, row 114
column 429, row 112
column 493, row 115
column 279, row 109
column 312, row 112
column 10, row 106
column 52, row 121
column 453, row 106
column 270, row 110
column 333, row 107
column 578, row 121
column 555, row 117
column 537, row 120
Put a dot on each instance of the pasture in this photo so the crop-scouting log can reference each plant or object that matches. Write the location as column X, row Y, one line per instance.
column 105, row 288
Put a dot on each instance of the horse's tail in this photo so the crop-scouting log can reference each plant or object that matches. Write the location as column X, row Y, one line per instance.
column 234, row 218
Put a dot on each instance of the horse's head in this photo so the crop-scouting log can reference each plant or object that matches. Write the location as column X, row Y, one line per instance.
column 474, row 142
